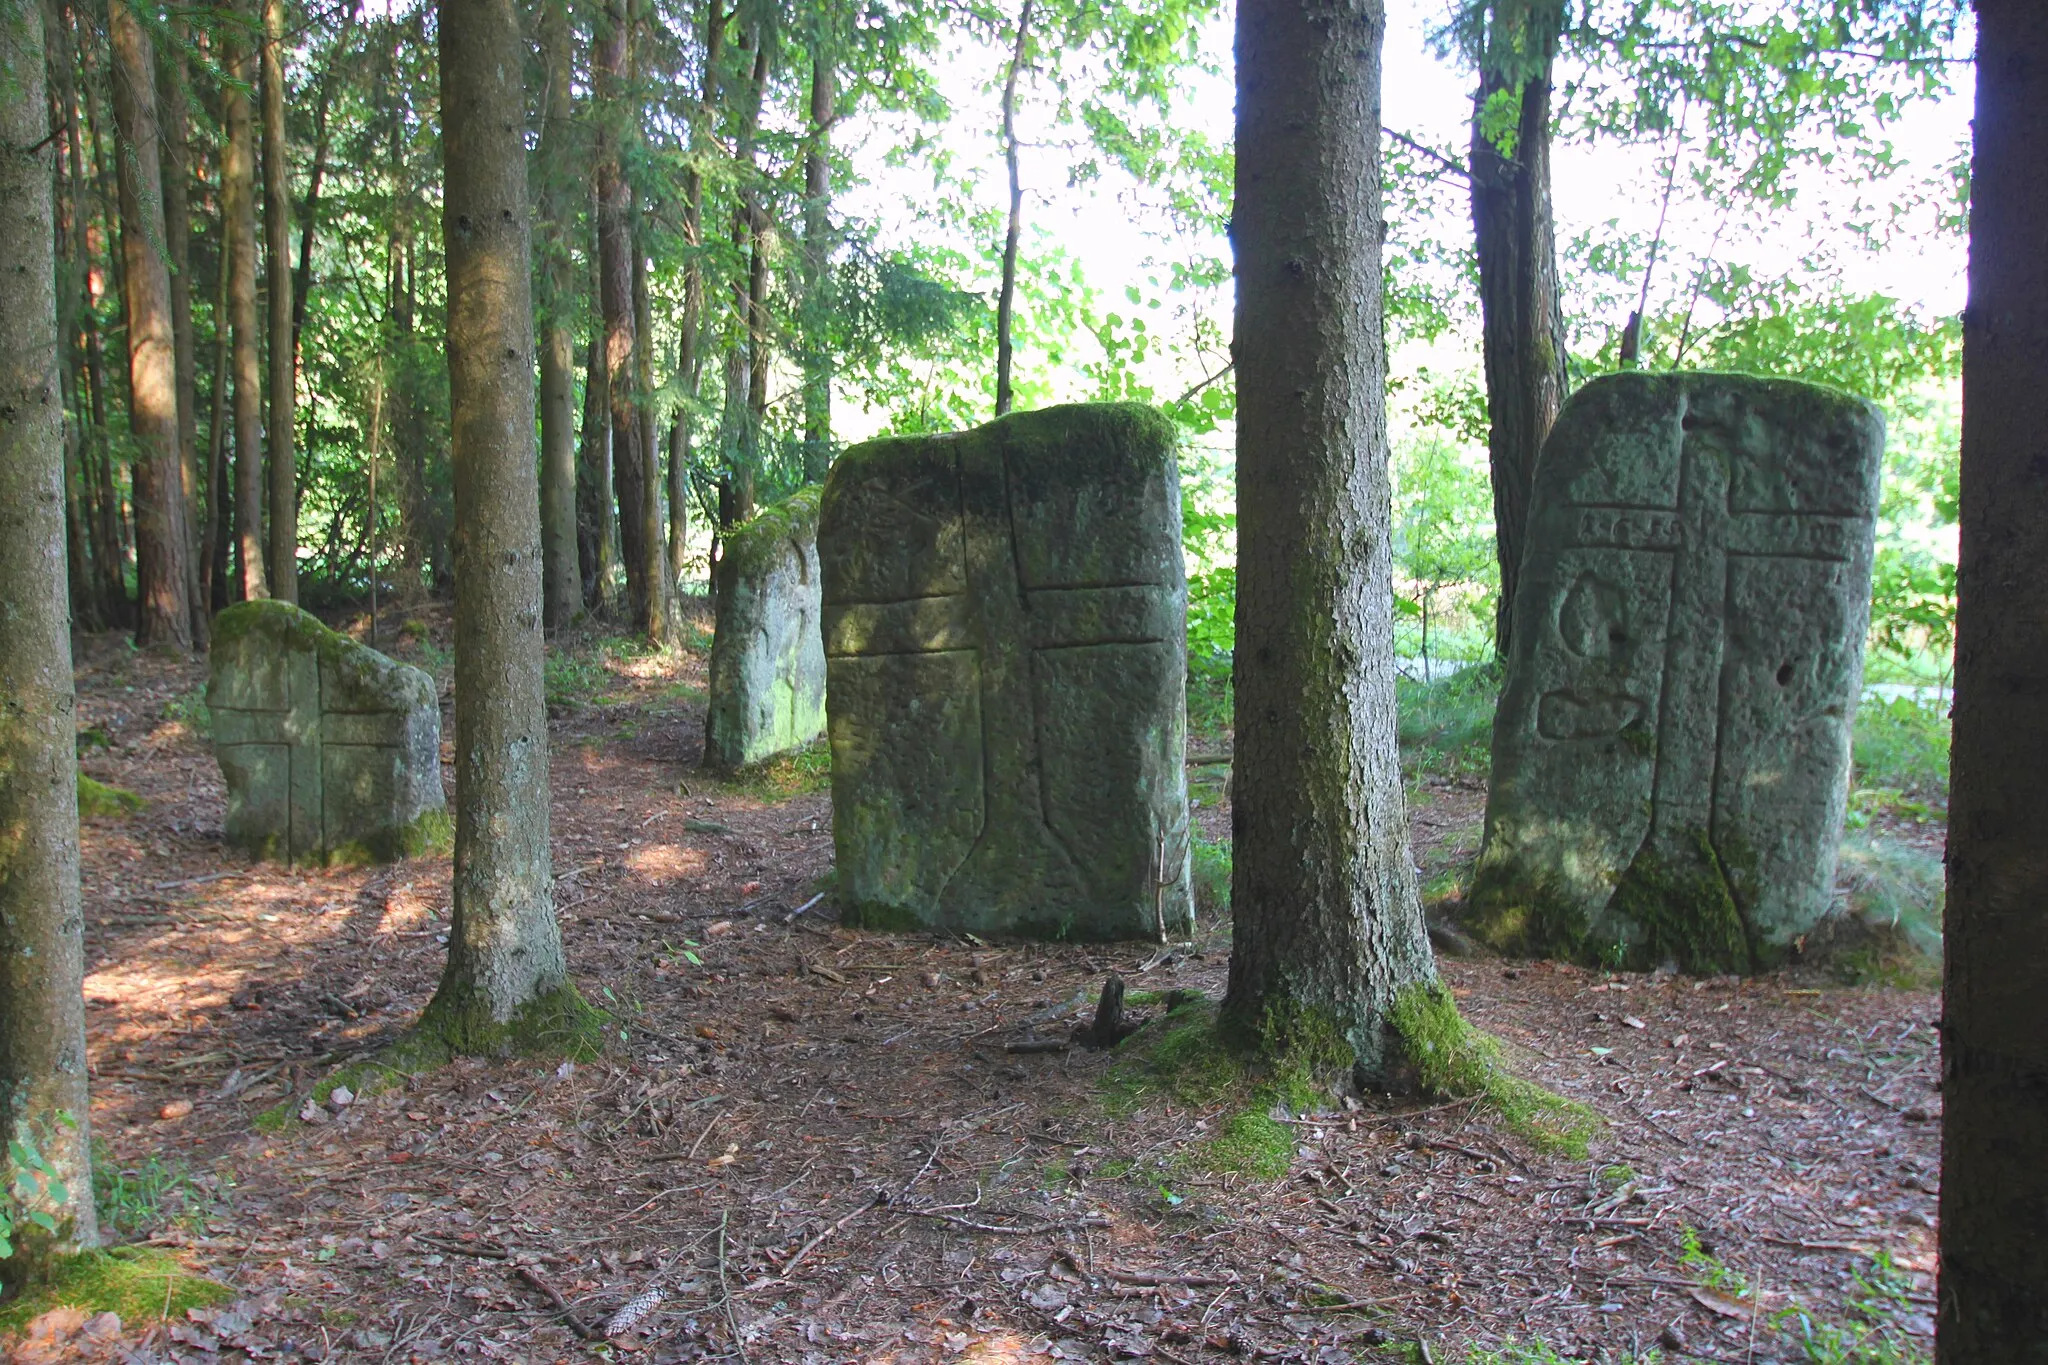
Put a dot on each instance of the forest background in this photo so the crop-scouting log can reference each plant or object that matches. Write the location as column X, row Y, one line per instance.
column 844, row 219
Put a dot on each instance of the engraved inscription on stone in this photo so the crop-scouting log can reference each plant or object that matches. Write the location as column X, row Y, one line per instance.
column 1004, row 637
column 330, row 751
column 1671, row 750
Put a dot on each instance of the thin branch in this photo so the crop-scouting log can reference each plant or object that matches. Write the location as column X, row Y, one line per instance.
column 1432, row 153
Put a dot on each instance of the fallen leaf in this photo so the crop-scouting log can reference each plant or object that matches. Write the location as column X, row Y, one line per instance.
column 749, row 888
column 1721, row 1304
column 726, row 1157
column 176, row 1109
column 1632, row 1021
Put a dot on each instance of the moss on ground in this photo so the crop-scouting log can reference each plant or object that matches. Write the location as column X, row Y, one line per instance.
column 101, row 801
column 142, row 1284
column 784, row 776
column 1453, row 1059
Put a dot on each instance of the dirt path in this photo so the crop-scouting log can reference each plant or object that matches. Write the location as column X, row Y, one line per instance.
column 817, row 1141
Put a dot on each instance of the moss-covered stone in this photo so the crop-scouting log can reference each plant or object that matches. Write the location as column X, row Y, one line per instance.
column 1005, row 641
column 767, row 656
column 330, row 750
column 1671, row 751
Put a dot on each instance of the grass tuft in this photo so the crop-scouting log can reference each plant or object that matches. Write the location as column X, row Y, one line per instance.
column 1453, row 1059
column 1446, row 726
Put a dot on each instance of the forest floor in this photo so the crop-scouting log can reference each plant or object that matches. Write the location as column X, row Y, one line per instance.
column 818, row 1142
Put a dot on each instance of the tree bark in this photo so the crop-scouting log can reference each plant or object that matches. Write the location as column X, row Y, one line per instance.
column 653, row 550
column 817, row 277
column 738, row 437
column 173, row 100
column 43, row 1092
column 1522, row 317
column 238, row 204
column 1328, row 924
column 109, row 543
column 214, row 568
column 504, row 947
column 163, row 614
column 1994, row 1184
column 689, row 357
column 562, row 591
column 1006, row 302
column 594, row 485
column 80, row 329
column 277, row 231
column 615, row 298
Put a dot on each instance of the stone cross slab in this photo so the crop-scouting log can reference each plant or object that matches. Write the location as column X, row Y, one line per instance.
column 1671, row 750
column 330, row 750
column 1004, row 621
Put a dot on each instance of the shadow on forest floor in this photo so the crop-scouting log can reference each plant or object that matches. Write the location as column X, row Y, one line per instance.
column 816, row 1141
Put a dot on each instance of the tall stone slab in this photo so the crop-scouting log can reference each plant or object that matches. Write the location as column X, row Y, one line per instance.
column 768, row 652
column 1005, row 645
column 1671, row 752
column 331, row 751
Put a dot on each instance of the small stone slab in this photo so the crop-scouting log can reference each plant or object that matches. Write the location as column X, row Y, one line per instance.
column 767, row 655
column 1005, row 640
column 1671, row 752
column 331, row 751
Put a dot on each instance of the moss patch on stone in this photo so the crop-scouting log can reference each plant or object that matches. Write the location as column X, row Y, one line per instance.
column 432, row 833
column 749, row 545
column 1452, row 1059
column 98, row 800
column 1521, row 915
column 1682, row 904
column 142, row 1284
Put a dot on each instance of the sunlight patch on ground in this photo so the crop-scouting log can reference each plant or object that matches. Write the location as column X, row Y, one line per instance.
column 659, row 862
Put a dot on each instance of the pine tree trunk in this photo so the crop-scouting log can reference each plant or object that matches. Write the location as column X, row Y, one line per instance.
column 109, row 542
column 214, row 567
column 818, row 269
column 162, row 546
column 1006, row 301
column 75, row 315
column 653, row 550
column 177, row 173
column 43, row 1094
column 689, row 357
column 562, row 591
column 737, row 437
column 505, row 961
column 1994, row 1181
column 1522, row 327
column 238, row 204
column 594, row 485
column 1328, row 926
column 615, row 300
column 277, row 232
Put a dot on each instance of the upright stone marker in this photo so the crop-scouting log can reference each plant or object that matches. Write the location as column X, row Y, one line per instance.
column 1671, row 753
column 330, row 750
column 767, row 657
column 1005, row 641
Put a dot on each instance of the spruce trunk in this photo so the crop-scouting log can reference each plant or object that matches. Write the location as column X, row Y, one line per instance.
column 43, row 1096
column 163, row 563
column 173, row 99
column 1994, row 1181
column 615, row 301
column 1522, row 318
column 505, row 966
column 562, row 593
column 277, row 232
column 1328, row 926
column 594, row 486
column 238, row 205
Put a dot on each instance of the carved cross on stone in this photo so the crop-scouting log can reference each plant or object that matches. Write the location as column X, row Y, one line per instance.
column 1672, row 743
column 1005, row 653
column 330, row 751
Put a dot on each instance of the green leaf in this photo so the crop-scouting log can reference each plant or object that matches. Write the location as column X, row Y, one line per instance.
column 43, row 1220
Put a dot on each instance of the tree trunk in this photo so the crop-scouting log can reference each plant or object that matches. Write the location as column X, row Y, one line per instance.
column 615, row 298
column 653, row 551
column 277, row 231
column 214, row 572
column 817, row 278
column 163, row 614
column 43, row 1097
column 109, row 543
column 505, row 974
column 302, row 281
column 177, row 174
column 562, row 593
column 1994, row 1184
column 594, row 486
column 238, row 204
column 75, row 315
column 1522, row 326
column 1328, row 924
column 689, row 357
column 737, row 436
column 1006, row 303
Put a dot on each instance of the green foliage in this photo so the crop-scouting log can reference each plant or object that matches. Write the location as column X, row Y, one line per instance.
column 32, row 1186
column 1872, row 1334
column 136, row 1200
column 1889, row 929
column 1210, row 868
column 1900, row 752
column 1446, row 726
column 1514, row 1352
column 189, row 710
column 807, row 770
column 1453, row 1059
column 98, row 800
column 1444, row 550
